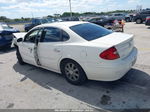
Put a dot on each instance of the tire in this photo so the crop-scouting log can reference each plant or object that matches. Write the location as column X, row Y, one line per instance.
column 20, row 61
column 138, row 21
column 73, row 72
column 127, row 19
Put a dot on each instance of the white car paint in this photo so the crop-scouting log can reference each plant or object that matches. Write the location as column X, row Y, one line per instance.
column 85, row 53
column 17, row 36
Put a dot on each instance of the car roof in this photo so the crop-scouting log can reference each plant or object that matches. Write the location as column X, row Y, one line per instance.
column 58, row 24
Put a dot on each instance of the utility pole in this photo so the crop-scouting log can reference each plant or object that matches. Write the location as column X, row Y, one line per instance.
column 32, row 15
column 70, row 9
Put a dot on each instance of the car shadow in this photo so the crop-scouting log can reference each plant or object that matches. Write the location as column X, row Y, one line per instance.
column 7, row 50
column 139, row 23
column 148, row 27
column 122, row 94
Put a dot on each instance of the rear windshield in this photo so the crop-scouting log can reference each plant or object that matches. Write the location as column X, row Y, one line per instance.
column 90, row 31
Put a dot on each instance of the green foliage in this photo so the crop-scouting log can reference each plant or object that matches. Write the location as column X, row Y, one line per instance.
column 50, row 16
column 66, row 14
column 7, row 20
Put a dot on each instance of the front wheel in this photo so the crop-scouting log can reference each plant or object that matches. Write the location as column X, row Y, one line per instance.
column 138, row 21
column 73, row 72
column 21, row 62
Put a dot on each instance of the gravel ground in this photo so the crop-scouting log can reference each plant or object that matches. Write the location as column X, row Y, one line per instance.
column 29, row 87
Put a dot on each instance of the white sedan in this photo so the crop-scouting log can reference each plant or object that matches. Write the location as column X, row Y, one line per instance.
column 78, row 50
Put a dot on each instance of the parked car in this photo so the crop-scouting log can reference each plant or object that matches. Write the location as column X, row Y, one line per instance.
column 129, row 17
column 108, row 22
column 102, row 21
column 118, row 16
column 35, row 22
column 78, row 50
column 147, row 21
column 140, row 17
column 6, row 36
column 70, row 19
column 51, row 20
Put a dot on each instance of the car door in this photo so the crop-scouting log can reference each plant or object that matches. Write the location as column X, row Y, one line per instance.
column 50, row 48
column 27, row 48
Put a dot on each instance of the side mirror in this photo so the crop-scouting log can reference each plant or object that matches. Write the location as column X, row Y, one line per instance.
column 20, row 40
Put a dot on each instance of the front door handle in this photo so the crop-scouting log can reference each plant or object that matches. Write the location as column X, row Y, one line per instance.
column 30, row 50
column 57, row 50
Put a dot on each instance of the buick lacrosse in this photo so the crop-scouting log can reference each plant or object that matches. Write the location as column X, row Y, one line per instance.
column 78, row 50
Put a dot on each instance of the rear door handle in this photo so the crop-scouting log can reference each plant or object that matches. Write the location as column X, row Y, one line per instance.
column 57, row 50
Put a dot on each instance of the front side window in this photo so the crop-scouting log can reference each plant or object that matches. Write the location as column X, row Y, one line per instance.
column 51, row 35
column 90, row 31
column 31, row 36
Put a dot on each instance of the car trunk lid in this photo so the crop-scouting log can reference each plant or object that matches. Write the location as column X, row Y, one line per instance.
column 122, row 42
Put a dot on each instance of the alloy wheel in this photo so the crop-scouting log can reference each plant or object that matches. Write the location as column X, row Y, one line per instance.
column 72, row 71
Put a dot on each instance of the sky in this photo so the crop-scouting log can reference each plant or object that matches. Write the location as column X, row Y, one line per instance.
column 40, row 8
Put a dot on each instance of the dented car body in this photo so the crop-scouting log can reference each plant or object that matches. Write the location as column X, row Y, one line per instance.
column 79, row 50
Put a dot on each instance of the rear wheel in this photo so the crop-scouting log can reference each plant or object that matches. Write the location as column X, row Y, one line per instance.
column 138, row 21
column 73, row 72
column 21, row 62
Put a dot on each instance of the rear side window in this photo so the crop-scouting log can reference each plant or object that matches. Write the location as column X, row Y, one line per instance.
column 51, row 35
column 65, row 36
column 90, row 31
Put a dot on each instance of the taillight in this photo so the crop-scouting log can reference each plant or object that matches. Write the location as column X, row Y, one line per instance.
column 148, row 18
column 110, row 54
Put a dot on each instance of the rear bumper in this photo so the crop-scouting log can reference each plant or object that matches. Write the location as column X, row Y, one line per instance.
column 113, row 71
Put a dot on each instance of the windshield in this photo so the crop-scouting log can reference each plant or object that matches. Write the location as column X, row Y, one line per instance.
column 90, row 31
